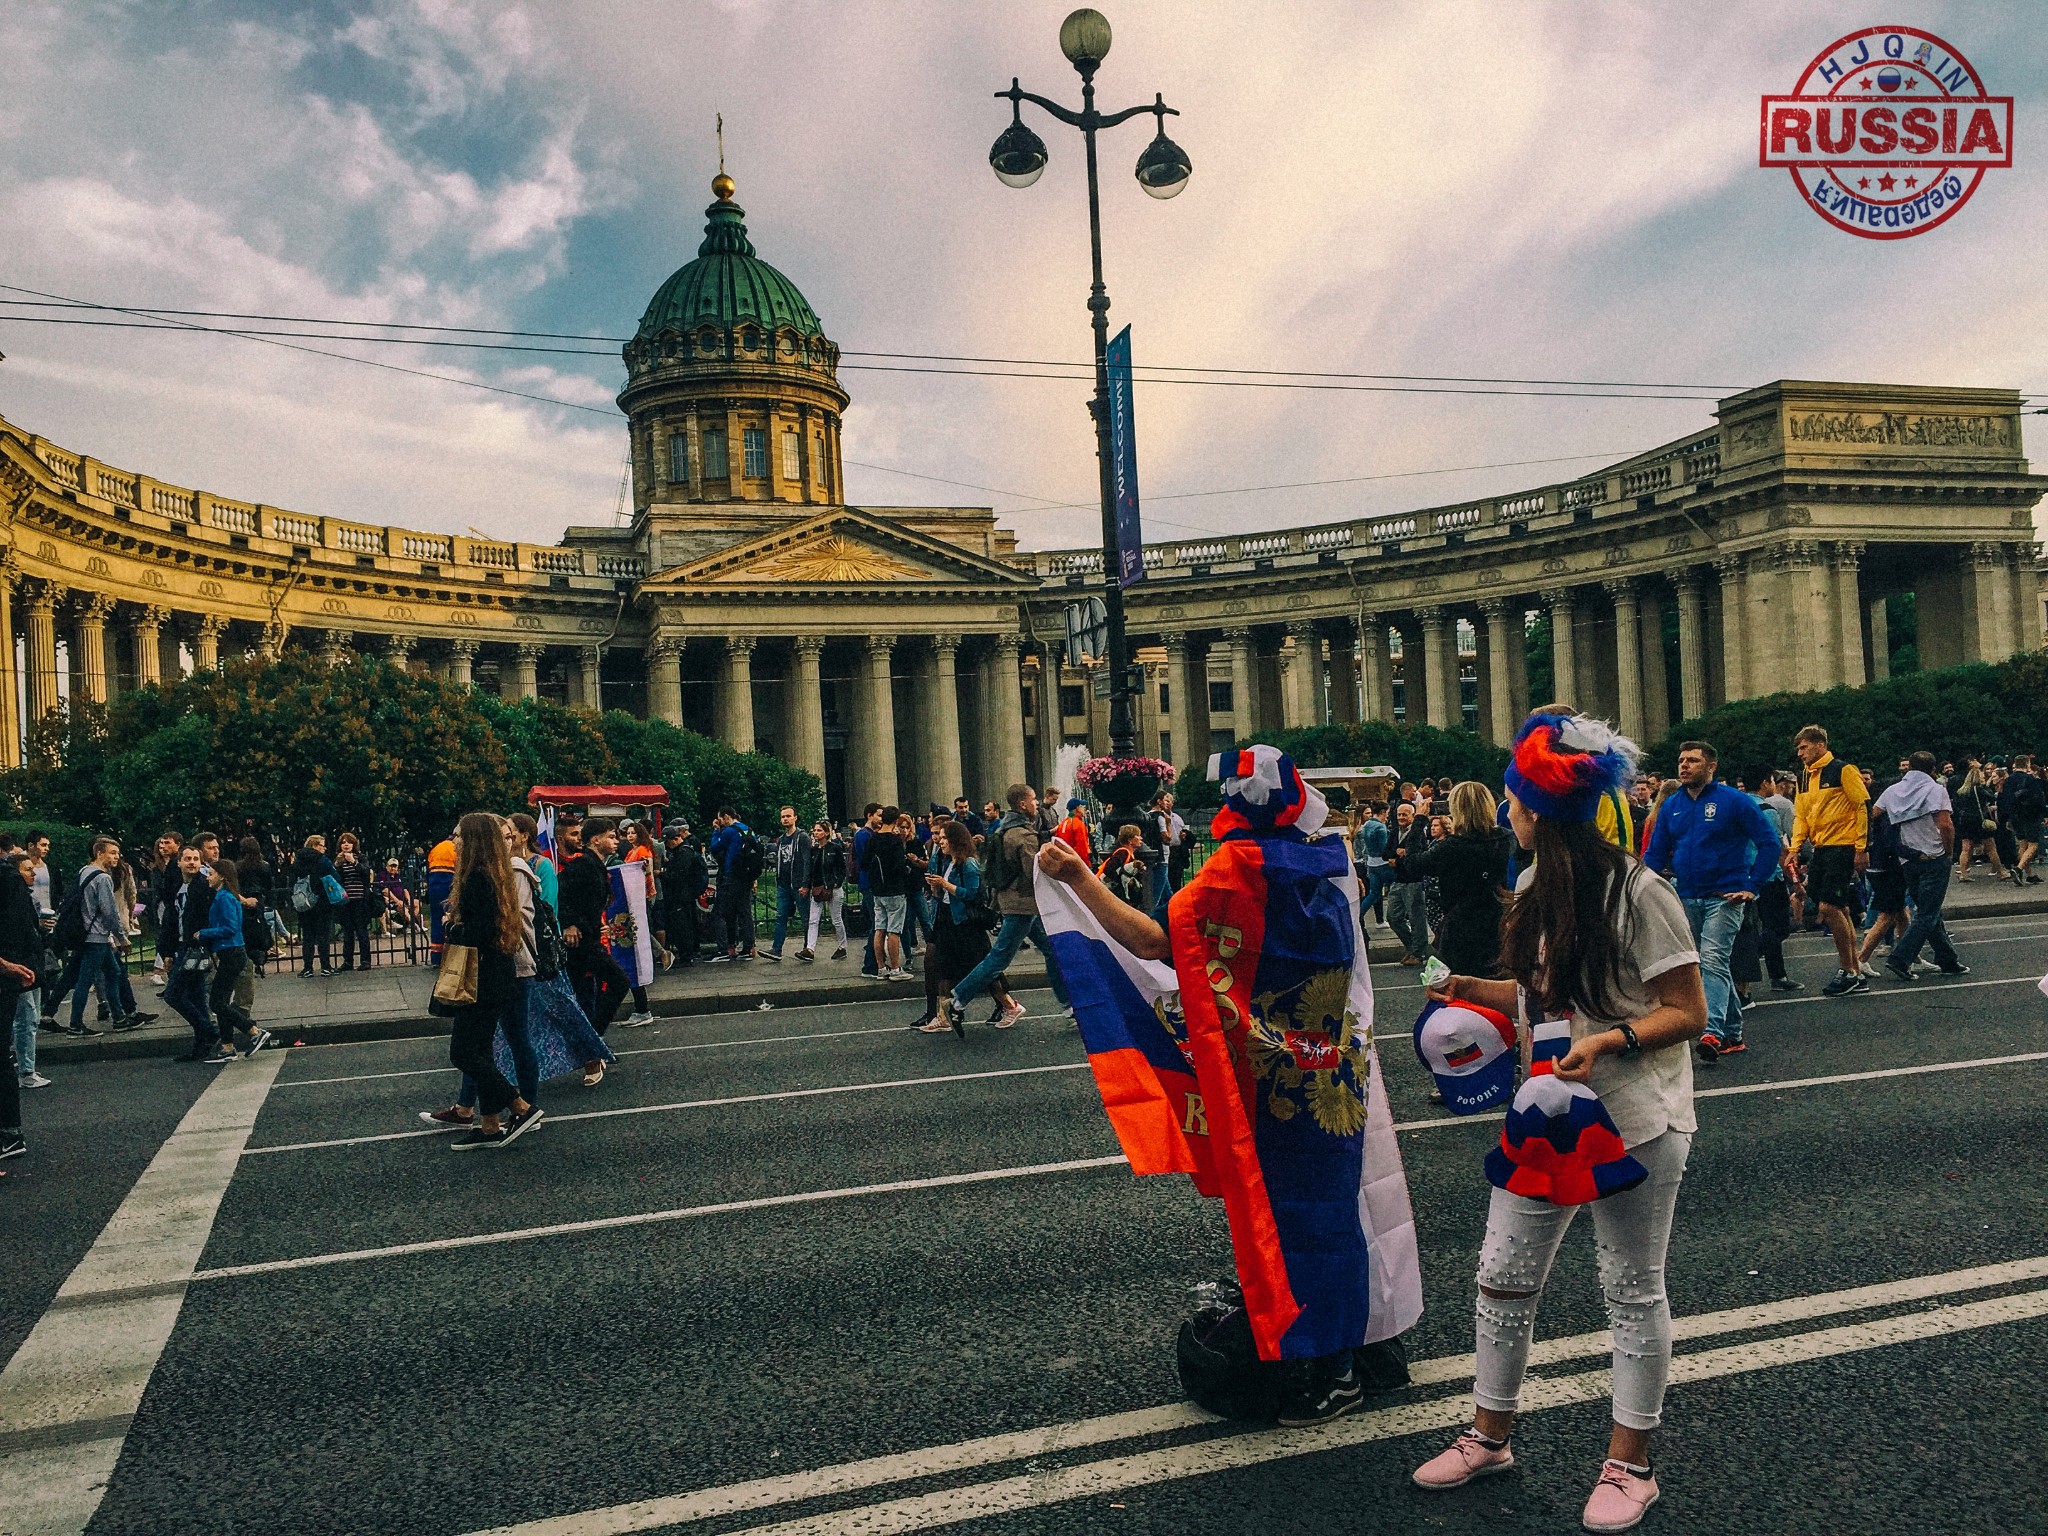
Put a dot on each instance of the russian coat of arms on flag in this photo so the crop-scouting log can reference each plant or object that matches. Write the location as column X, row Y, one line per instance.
column 625, row 923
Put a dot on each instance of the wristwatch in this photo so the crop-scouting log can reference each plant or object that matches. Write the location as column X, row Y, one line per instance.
column 1630, row 1045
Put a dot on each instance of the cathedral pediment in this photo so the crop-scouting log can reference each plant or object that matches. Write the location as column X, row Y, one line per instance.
column 840, row 549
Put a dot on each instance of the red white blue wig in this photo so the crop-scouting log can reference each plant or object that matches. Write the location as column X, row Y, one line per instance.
column 1264, row 793
column 1563, row 764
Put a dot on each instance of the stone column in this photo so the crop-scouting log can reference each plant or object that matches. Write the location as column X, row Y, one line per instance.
column 41, row 607
column 398, row 652
column 590, row 679
column 145, row 635
column 944, row 774
column 89, row 640
column 1009, row 700
column 877, row 757
column 1880, row 640
column 1298, row 694
column 806, row 728
column 1439, row 668
column 1179, row 703
column 1808, row 585
column 1498, row 705
column 1656, row 686
column 1564, row 647
column 1242, row 711
column 1692, row 643
column 1344, row 674
column 206, row 642
column 1628, row 658
column 334, row 646
column 526, row 669
column 10, row 691
column 170, row 666
column 1846, row 618
column 461, row 662
column 1735, row 622
column 735, row 712
column 664, row 678
column 1375, row 669
column 1991, row 597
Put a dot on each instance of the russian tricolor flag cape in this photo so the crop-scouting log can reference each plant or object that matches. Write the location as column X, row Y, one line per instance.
column 625, row 923
column 1251, row 1066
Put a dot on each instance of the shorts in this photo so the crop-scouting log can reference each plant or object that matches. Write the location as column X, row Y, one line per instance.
column 890, row 912
column 1831, row 874
column 1888, row 892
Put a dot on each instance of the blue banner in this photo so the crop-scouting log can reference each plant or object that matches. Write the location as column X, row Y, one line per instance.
column 1123, row 463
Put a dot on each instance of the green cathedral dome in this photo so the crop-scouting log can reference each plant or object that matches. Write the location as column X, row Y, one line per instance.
column 727, row 285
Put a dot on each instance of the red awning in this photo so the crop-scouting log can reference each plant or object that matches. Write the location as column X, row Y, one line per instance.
column 597, row 794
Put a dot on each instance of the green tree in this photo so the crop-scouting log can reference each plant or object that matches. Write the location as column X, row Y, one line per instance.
column 547, row 744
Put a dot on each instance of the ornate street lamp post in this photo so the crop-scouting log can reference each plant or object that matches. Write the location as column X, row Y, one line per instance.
column 1018, row 160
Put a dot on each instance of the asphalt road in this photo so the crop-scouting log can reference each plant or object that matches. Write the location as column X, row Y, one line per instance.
column 457, row 1386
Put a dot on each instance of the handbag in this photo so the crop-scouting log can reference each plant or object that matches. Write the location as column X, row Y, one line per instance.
column 455, row 987
column 195, row 959
column 332, row 889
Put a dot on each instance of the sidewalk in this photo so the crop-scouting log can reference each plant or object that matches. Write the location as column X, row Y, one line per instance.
column 390, row 1002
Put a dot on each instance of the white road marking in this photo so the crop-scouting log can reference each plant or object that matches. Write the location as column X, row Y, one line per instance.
column 1034, row 1490
column 648, row 1218
column 991, row 1450
column 658, row 1109
column 1928, row 988
column 67, row 1396
column 685, row 1213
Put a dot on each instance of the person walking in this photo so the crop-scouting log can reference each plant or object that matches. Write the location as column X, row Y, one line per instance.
column 684, row 883
column 1594, row 937
column 2022, row 802
column 1470, row 868
column 737, row 858
column 103, row 940
column 1832, row 812
column 190, row 962
column 311, row 870
column 793, row 880
column 959, row 935
column 1408, row 900
column 886, row 871
column 828, row 890
column 1774, row 897
column 1974, row 809
column 1923, row 829
column 1718, row 848
column 585, row 891
column 22, row 958
column 1375, row 871
column 484, row 913
column 1012, row 856
column 352, row 870
column 224, row 938
column 857, row 861
column 1073, row 831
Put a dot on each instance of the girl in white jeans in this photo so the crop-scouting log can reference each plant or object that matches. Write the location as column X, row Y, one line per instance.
column 1592, row 937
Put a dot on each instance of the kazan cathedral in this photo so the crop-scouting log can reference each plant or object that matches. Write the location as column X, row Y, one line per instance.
column 912, row 653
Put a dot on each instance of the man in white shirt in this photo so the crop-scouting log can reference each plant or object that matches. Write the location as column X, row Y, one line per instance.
column 1917, row 808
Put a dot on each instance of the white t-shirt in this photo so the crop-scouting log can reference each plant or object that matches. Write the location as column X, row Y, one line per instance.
column 1651, row 1092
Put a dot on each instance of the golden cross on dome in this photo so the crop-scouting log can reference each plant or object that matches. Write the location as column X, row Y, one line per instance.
column 721, row 184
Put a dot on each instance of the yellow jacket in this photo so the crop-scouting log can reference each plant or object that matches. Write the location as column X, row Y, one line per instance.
column 1613, row 821
column 1832, row 805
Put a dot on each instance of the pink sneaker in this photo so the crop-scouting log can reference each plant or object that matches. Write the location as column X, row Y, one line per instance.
column 1619, row 1499
column 1467, row 1458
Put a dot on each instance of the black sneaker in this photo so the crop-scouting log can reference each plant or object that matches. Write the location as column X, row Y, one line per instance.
column 48, row 1024
column 956, row 1016
column 839, row 953
column 1958, row 969
column 516, row 1124
column 82, row 1029
column 11, row 1145
column 126, row 1022
column 771, row 954
column 721, row 958
column 1900, row 972
column 326, row 971
column 1786, row 984
column 476, row 1136
column 1331, row 1401
column 217, row 1056
column 1845, row 983
column 257, row 1041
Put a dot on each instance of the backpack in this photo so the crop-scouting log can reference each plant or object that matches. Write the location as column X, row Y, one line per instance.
column 996, row 868
column 303, row 899
column 2031, row 798
column 1220, row 1368
column 550, row 954
column 69, row 933
column 746, row 864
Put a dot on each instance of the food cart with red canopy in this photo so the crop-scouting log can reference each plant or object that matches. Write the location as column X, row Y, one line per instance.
column 598, row 799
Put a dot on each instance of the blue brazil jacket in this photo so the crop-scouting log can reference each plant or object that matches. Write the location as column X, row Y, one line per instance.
column 1720, row 842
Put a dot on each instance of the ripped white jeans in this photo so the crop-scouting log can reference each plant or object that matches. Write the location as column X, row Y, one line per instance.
column 1631, row 1231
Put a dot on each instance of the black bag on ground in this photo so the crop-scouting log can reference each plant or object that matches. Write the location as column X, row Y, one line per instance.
column 1220, row 1368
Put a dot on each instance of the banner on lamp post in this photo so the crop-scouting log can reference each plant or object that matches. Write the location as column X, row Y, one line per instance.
column 1123, row 463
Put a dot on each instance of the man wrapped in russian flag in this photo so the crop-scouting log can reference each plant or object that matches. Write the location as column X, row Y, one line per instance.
column 1250, row 1065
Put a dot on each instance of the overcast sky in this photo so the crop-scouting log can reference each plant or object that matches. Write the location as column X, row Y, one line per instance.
column 1520, row 189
